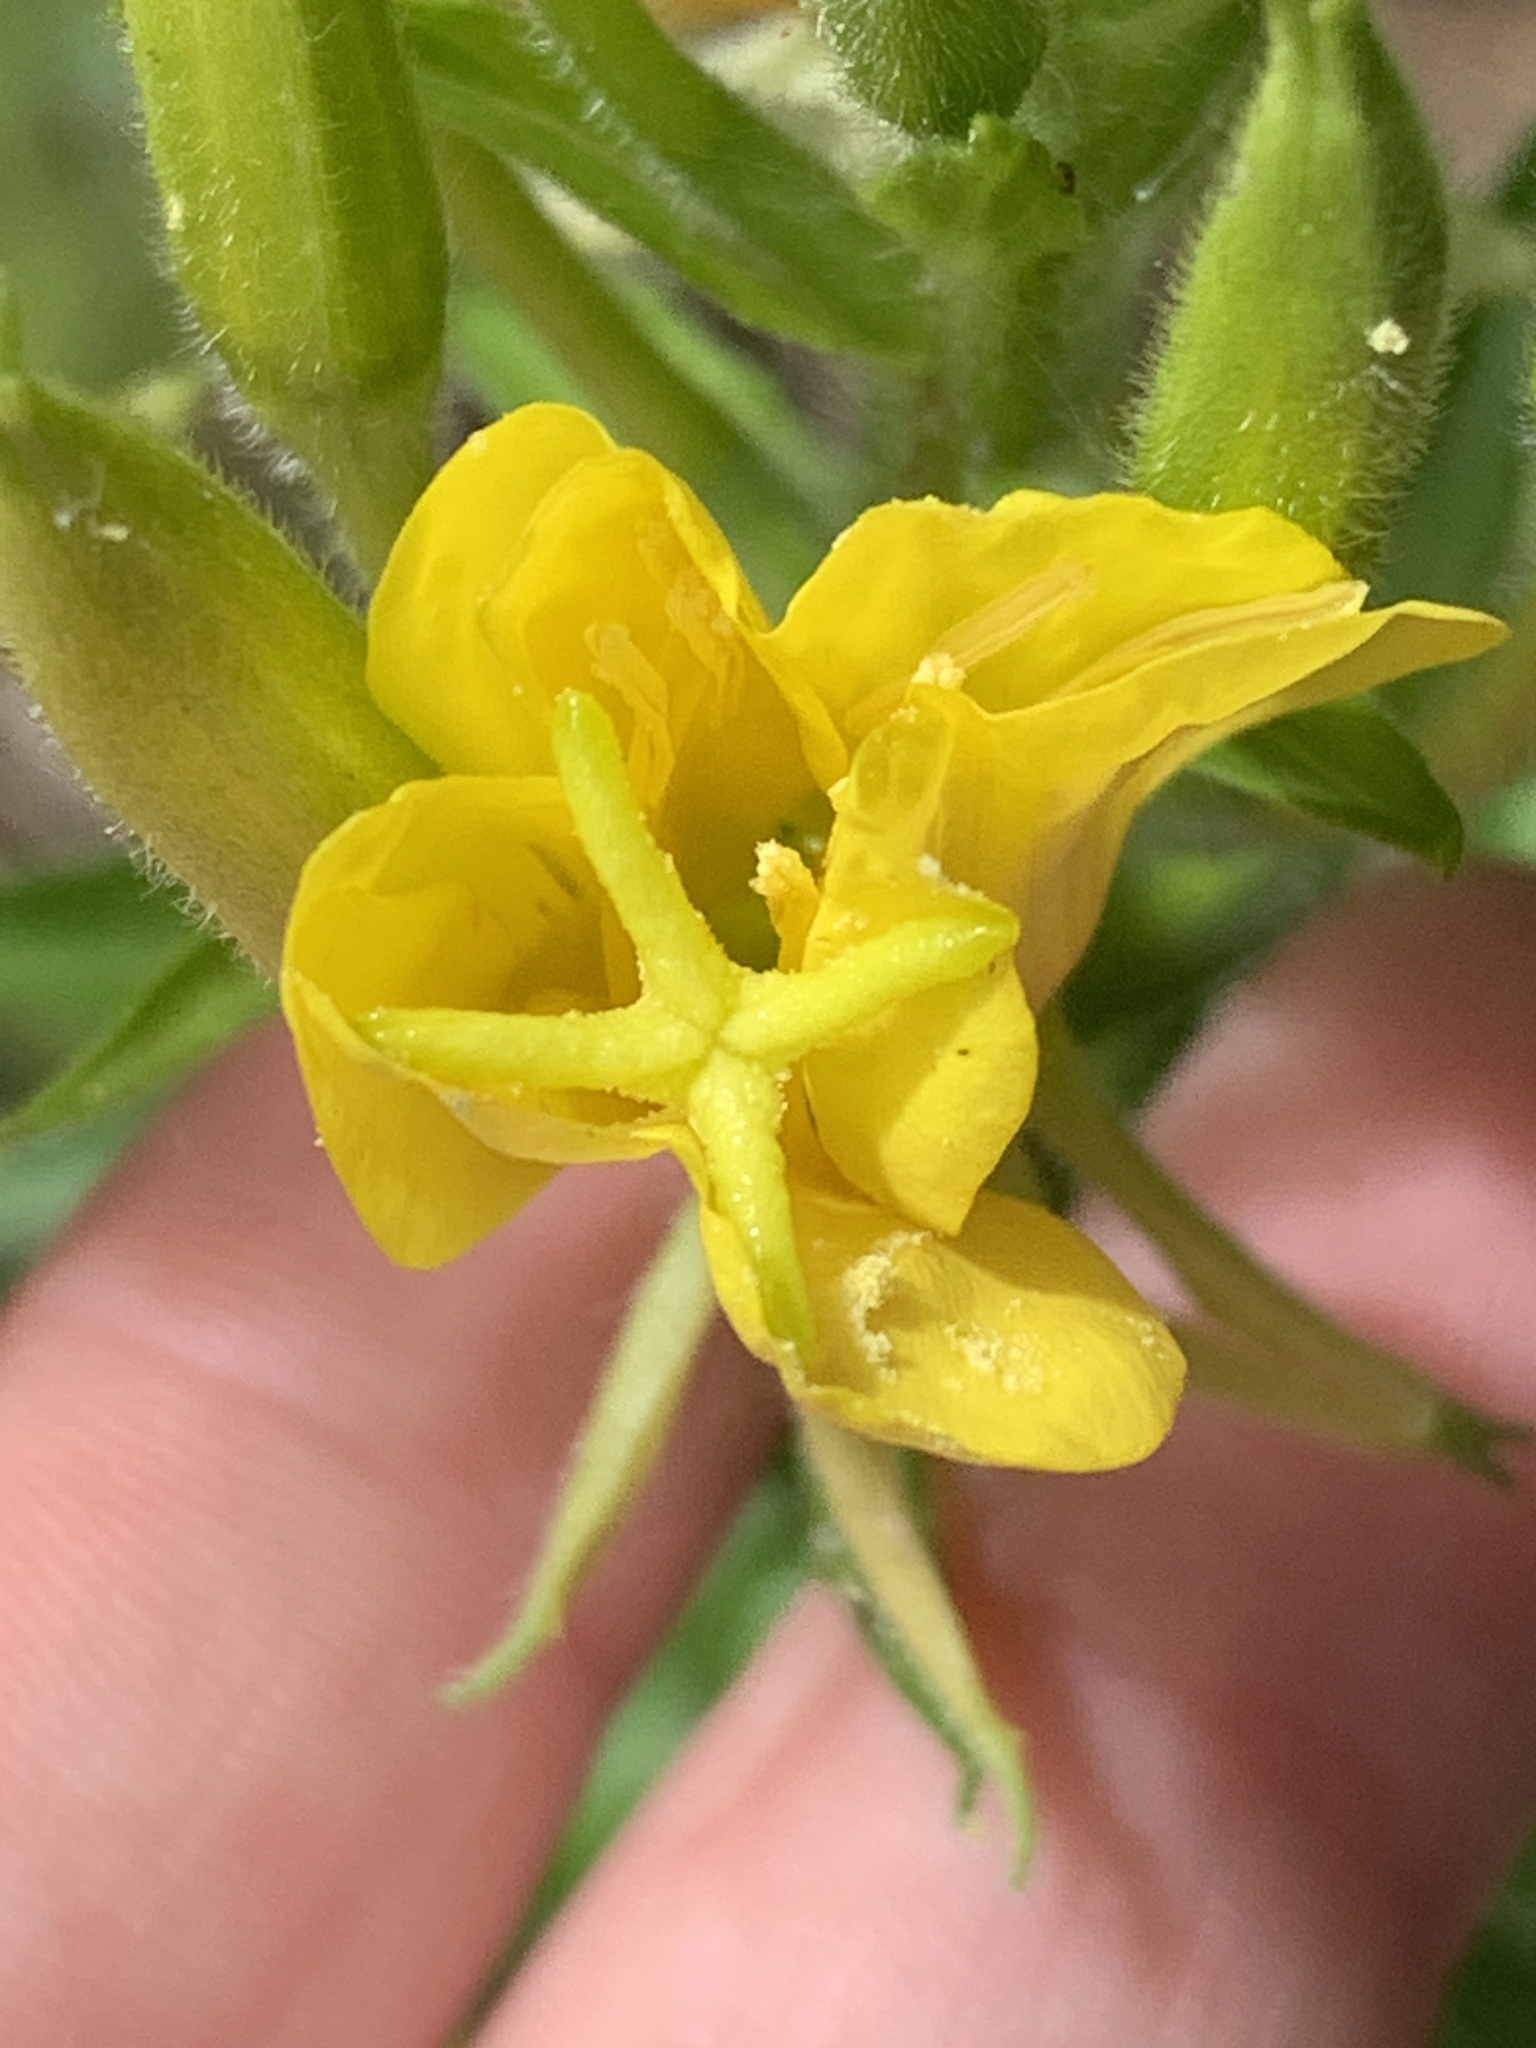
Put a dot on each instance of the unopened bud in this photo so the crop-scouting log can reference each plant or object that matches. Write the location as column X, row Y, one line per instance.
column 932, row 65
column 306, row 229
column 1301, row 361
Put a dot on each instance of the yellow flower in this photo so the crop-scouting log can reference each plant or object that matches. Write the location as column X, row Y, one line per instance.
column 1075, row 652
column 755, row 896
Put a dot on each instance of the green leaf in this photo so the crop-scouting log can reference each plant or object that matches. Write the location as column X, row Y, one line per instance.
column 754, row 1576
column 596, row 97
column 1206, row 886
column 192, row 1009
column 80, row 944
column 206, row 681
column 1463, row 533
column 1348, row 765
column 878, row 1552
column 643, row 390
column 42, row 1184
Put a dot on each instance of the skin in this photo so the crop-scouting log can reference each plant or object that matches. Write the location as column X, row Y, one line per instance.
column 260, row 1492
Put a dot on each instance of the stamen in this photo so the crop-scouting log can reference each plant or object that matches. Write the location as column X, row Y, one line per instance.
column 1008, row 618
column 987, row 632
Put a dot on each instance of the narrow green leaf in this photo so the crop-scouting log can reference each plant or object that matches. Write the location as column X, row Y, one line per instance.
column 191, row 1010
column 909, row 1616
column 1348, row 765
column 637, row 132
column 625, row 1429
column 80, row 943
column 42, row 1184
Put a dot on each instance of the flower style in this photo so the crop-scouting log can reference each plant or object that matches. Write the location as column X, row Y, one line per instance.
column 770, row 897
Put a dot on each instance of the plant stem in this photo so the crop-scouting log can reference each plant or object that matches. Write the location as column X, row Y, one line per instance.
column 1276, row 1352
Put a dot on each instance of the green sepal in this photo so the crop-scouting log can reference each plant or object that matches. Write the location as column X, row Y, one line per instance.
column 1300, row 364
column 637, row 132
column 303, row 220
column 932, row 66
column 205, row 681
column 875, row 1548
column 193, row 1008
column 623, row 1434
column 1346, row 764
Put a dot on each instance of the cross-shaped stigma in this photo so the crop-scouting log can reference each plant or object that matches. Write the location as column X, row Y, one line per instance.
column 707, row 1040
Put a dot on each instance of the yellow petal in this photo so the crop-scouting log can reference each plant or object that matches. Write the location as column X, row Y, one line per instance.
column 1038, row 800
column 544, row 559
column 431, row 666
column 424, row 1188
column 468, row 893
column 916, row 1112
column 916, row 1108
column 908, row 580
column 1014, row 1343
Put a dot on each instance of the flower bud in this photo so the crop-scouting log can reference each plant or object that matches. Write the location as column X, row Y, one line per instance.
column 1300, row 363
column 932, row 65
column 306, row 230
column 205, row 681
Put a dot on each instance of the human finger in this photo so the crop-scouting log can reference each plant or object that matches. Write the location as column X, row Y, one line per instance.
column 260, row 1494
column 1281, row 1697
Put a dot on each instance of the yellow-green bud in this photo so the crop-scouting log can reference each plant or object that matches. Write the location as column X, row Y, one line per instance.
column 206, row 682
column 932, row 65
column 306, row 229
column 1300, row 364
